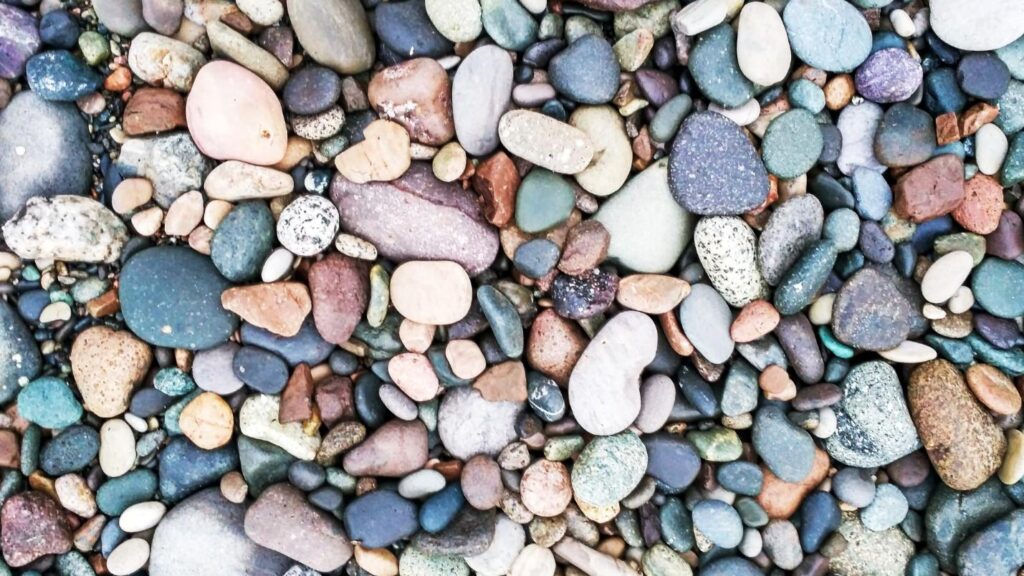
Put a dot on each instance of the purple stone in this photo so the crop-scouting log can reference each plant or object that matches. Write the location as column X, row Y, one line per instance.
column 657, row 87
column 19, row 40
column 890, row 75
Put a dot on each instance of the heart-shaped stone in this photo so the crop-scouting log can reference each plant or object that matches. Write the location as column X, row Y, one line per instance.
column 107, row 365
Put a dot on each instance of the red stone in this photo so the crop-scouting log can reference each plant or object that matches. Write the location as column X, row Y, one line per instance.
column 340, row 287
column 153, row 110
column 297, row 397
column 32, row 526
column 496, row 181
column 930, row 190
column 335, row 401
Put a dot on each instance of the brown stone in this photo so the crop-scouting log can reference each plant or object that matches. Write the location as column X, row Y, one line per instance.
column 384, row 154
column 545, row 488
column 652, row 293
column 297, row 396
column 393, row 450
column 982, row 205
column 930, row 190
column 776, row 384
column 10, row 450
column 781, row 499
column 496, row 181
column 994, row 389
column 340, row 289
column 554, row 345
column 947, row 128
column 153, row 110
column 107, row 365
column 207, row 421
column 839, row 92
column 280, row 307
column 481, row 482
column 585, row 248
column 963, row 442
column 334, row 400
column 754, row 321
column 977, row 116
column 417, row 95
column 119, row 80
column 338, row 441
column 505, row 382
column 677, row 340
column 32, row 525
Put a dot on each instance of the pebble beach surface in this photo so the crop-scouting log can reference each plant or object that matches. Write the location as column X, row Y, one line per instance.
column 511, row 287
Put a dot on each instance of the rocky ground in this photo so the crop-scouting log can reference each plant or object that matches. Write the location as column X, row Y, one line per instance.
column 441, row 287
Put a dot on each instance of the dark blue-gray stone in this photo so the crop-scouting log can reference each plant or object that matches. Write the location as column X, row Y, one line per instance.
column 185, row 468
column 503, row 318
column 405, row 29
column 170, row 297
column 586, row 72
column 306, row 475
column 311, row 90
column 802, row 282
column 537, row 257
column 59, row 29
column 714, row 169
column 369, row 407
column 148, row 402
column 733, row 566
column 57, row 75
column 697, row 390
column 854, row 486
column 827, row 34
column 380, row 519
column 873, row 194
column 71, row 451
column 44, row 149
column 741, row 477
column 905, row 136
column 243, row 241
column 676, row 525
column 545, row 397
column 19, row 351
column 716, row 70
column 983, row 75
column 117, row 494
column 672, row 461
column 953, row 516
column 787, row 450
column 998, row 549
column 306, row 347
column 819, row 517
column 262, row 371
column 874, row 244
column 942, row 93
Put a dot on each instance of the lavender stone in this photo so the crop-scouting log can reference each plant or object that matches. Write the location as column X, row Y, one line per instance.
column 19, row 40
column 890, row 75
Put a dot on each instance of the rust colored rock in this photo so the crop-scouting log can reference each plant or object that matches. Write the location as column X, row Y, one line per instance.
column 586, row 246
column 947, row 129
column 340, row 287
column 32, row 525
column 754, row 321
column 994, row 389
column 781, row 499
column 930, row 190
column 393, row 450
column 505, row 382
column 279, row 307
column 496, row 181
column 153, row 110
column 554, row 345
column 334, row 400
column 963, row 442
column 977, row 116
column 417, row 95
column 982, row 205
column 10, row 449
column 297, row 396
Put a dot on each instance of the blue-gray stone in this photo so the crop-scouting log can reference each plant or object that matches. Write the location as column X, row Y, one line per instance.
column 854, row 486
column 873, row 194
column 306, row 475
column 262, row 371
column 983, row 75
column 58, row 28
column 71, row 451
column 715, row 69
column 405, row 29
column 672, row 461
column 185, row 468
column 740, row 392
column 508, row 24
column 801, row 284
column 787, row 450
column 243, row 241
column 262, row 463
column 537, row 257
column 953, row 516
column 792, row 144
column 19, row 351
column 311, row 90
column 998, row 549
column 741, row 477
column 874, row 244
column 820, row 516
column 440, row 509
column 586, row 72
column 998, row 287
column 170, row 297
column 676, row 525
column 57, row 75
column 117, row 494
column 827, row 34
column 503, row 318
column 306, row 347
column 888, row 509
column 380, row 519
column 807, row 95
column 733, row 566
column 545, row 397
column 719, row 522
column 942, row 93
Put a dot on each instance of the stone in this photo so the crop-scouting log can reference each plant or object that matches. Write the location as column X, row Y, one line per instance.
column 858, row 124
column 243, row 241
column 279, row 307
column 546, row 142
column 613, row 154
column 958, row 26
column 308, row 225
column 21, row 40
column 418, row 217
column 828, row 34
column 207, row 421
column 226, row 41
column 339, row 287
column 129, row 557
column 889, row 75
column 964, row 455
column 66, row 228
column 57, row 75
column 33, row 526
column 604, row 404
column 672, row 462
column 457, row 21
column 792, row 227
column 405, row 29
column 437, row 293
column 727, row 248
column 469, row 425
column 993, row 389
column 953, row 516
column 281, row 513
column 995, row 285
column 930, row 190
column 164, row 16
column 380, row 519
column 417, row 95
column 545, row 488
column 713, row 168
column 49, row 402
column 586, row 71
column 122, row 18
column 715, row 68
column 883, row 553
column 311, row 90
column 786, row 449
column 608, row 469
column 706, row 319
column 259, row 419
column 508, row 23
column 250, row 130
column 233, row 181
column 171, row 162
column 946, row 275
column 873, row 424
column 870, row 313
column 318, row 25
column 212, row 369
column 208, row 525
column 393, row 450
column 887, row 510
column 718, row 522
column 107, row 366
column 45, row 144
column 792, row 144
column 117, row 448
column 762, row 47
column 554, row 345
column 165, row 62
column 481, row 92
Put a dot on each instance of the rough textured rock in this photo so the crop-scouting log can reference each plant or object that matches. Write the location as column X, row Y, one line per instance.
column 171, row 162
column 470, row 425
column 33, row 526
column 871, row 553
column 66, row 228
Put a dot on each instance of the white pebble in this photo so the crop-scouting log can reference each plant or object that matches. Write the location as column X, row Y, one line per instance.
column 902, row 23
column 277, row 265
column 910, row 352
column 117, row 448
column 990, row 149
column 751, row 544
column 262, row 12
column 129, row 557
column 946, row 275
column 700, row 16
column 827, row 423
column 534, row 6
column 142, row 516
column 742, row 115
column 308, row 225
column 933, row 312
column 55, row 312
column 137, row 424
column 821, row 310
column 962, row 300
column 421, row 483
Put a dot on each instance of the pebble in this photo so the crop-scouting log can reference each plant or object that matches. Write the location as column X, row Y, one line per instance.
column 171, row 162
column 142, row 516
column 393, row 450
column 554, row 345
column 828, row 34
column 889, row 75
column 883, row 553
column 425, row 112
column 792, row 144
column 107, row 366
column 727, row 248
column 49, row 402
column 544, row 201
column 207, row 421
column 437, row 293
column 870, row 313
column 33, row 526
column 623, row 347
column 700, row 178
column 162, row 61
column 887, row 510
column 405, row 29
column 76, row 229
column 365, row 519
column 786, row 449
column 58, row 76
column 480, row 95
column 234, row 45
column 612, row 150
column 608, row 469
column 546, row 142
column 308, row 225
column 718, row 522
column 762, row 47
column 706, row 309
column 258, row 418
column 586, row 71
column 957, row 26
column 279, row 307
column 792, row 227
column 858, row 124
column 713, row 62
column 318, row 24
column 945, row 276
column 470, row 425
column 22, row 41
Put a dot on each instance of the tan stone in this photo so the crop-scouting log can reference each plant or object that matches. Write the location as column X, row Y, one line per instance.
column 431, row 292
column 279, row 307
column 414, row 374
column 505, row 382
column 382, row 156
column 465, row 358
column 107, row 365
column 207, row 421
column 652, row 293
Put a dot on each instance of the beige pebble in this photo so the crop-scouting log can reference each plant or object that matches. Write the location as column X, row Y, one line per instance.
column 233, row 181
column 820, row 313
column 128, row 558
column 147, row 222
column 142, row 516
column 74, row 495
column 234, row 487
column 946, row 275
column 200, row 239
column 355, row 247
column 131, row 194
column 742, row 115
column 545, row 488
column 991, row 148
column 278, row 265
column 700, row 16
column 185, row 213
column 910, row 352
column 416, row 337
column 545, row 141
column 933, row 312
column 449, row 162
column 414, row 375
column 962, row 300
column 534, row 560
column 902, row 23
column 215, row 212
column 1012, row 470
column 376, row 561
column 117, row 448
column 207, row 421
column 55, row 312
column 465, row 358
column 431, row 292
column 381, row 157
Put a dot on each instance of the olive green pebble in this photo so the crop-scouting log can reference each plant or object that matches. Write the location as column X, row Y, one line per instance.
column 551, row 26
column 577, row 26
column 563, row 447
column 544, row 200
column 669, row 118
column 380, row 295
column 31, row 440
column 660, row 560
column 973, row 244
column 95, row 48
column 654, row 16
column 716, row 444
column 751, row 513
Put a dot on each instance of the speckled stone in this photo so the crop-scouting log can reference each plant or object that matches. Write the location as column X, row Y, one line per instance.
column 727, row 248
column 870, row 313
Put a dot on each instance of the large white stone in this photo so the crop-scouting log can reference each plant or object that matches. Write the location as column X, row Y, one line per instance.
column 762, row 46
column 977, row 25
column 66, row 228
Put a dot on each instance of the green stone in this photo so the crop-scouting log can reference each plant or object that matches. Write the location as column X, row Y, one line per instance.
column 609, row 468
column 427, row 413
column 973, row 244
column 73, row 564
column 87, row 289
column 95, row 48
column 792, row 144
column 342, row 480
column 716, row 444
column 509, row 24
column 562, row 448
column 31, row 440
column 654, row 16
column 805, row 278
column 751, row 512
column 956, row 351
column 414, row 562
column 952, row 516
column 504, row 320
column 1011, row 109
column 243, row 241
column 545, row 200
column 551, row 26
column 262, row 463
column 1011, row 361
column 383, row 340
column 11, row 483
column 49, row 402
column 1013, row 166
column 676, row 525
column 716, row 70
column 660, row 560
column 577, row 26
column 117, row 494
column 669, row 118
column 173, row 382
column 807, row 95
column 333, row 146
column 173, row 413
column 999, row 287
column 834, row 346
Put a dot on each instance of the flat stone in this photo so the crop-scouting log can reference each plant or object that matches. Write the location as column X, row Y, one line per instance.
column 933, row 189
column 21, row 40
column 107, row 366
column 953, row 516
column 586, row 71
column 66, row 228
column 609, row 468
column 281, row 513
column 428, row 292
column 481, row 94
column 319, row 26
column 279, row 307
column 883, row 553
column 162, row 61
column 996, row 283
column 792, row 144
column 185, row 469
column 545, row 141
column 706, row 319
column 33, row 526
column 171, row 162
column 905, row 137
column 785, row 448
column 417, row 95
column 258, row 418
column 405, row 29
column 889, row 75
column 57, row 75
column 715, row 69
column 339, row 287
column 380, row 518
column 828, row 34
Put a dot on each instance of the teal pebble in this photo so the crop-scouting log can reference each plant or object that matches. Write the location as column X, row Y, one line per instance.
column 262, row 463
column 807, row 95
column 792, row 144
column 751, row 512
column 503, row 319
column 628, row 525
column 1009, row 361
column 956, row 351
column 923, row 564
column 73, row 564
column 716, row 70
column 804, row 279
column 508, row 24
column 11, row 483
column 1013, row 166
column 998, row 287
column 669, row 118
column 243, row 241
column 544, row 201
column 31, row 440
column 49, row 402
column 1011, row 109
column 834, row 346
column 676, row 525
column 848, row 263
column 1013, row 56
column 173, row 382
